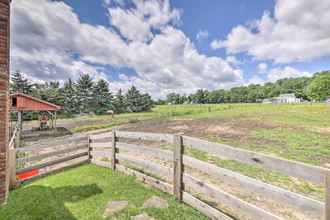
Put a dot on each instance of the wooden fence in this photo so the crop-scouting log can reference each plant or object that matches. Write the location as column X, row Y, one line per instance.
column 177, row 181
column 110, row 150
column 30, row 162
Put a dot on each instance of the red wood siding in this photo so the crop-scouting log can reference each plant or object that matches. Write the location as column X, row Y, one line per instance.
column 26, row 104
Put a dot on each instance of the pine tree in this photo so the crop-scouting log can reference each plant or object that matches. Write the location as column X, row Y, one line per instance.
column 70, row 98
column 84, row 88
column 102, row 97
column 119, row 102
column 20, row 84
column 137, row 102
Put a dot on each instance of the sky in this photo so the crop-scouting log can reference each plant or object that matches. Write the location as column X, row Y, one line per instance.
column 164, row 46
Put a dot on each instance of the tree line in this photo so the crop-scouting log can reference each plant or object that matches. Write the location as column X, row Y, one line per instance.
column 316, row 88
column 83, row 96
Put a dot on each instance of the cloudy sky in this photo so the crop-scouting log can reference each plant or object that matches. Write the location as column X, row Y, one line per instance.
column 164, row 46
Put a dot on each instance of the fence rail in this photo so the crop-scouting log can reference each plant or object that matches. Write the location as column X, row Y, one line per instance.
column 181, row 184
column 120, row 150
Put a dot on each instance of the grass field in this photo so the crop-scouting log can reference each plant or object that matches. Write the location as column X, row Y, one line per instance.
column 297, row 132
column 82, row 194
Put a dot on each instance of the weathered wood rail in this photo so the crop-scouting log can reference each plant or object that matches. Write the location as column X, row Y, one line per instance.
column 44, row 158
column 115, row 148
column 178, row 182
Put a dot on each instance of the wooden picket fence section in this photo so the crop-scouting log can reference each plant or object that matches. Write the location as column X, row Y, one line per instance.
column 179, row 183
column 113, row 147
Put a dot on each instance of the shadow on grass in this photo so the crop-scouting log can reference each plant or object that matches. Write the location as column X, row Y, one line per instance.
column 41, row 202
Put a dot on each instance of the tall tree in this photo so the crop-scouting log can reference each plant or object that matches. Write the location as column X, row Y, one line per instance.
column 102, row 97
column 85, row 97
column 20, row 84
column 137, row 102
column 70, row 98
column 119, row 102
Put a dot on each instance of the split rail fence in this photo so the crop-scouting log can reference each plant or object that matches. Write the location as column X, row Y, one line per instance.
column 112, row 147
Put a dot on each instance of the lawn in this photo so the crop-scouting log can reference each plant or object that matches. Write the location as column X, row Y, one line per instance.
column 82, row 193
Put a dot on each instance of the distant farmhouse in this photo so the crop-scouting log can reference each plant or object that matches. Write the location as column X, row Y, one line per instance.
column 282, row 99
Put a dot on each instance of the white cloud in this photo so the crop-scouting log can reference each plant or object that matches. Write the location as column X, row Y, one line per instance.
column 285, row 72
column 49, row 42
column 299, row 30
column 216, row 44
column 202, row 34
column 262, row 67
column 233, row 60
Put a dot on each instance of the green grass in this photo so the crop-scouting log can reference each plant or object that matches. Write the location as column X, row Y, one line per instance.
column 82, row 193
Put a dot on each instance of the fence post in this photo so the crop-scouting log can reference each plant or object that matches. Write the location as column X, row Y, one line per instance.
column 12, row 168
column 89, row 149
column 178, row 167
column 113, row 151
column 327, row 195
column 19, row 129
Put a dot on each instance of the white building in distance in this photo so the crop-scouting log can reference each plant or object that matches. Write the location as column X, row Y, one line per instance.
column 287, row 98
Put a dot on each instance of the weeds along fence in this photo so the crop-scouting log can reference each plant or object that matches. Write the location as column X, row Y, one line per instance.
column 166, row 166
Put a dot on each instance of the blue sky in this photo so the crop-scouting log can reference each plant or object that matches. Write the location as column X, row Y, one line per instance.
column 170, row 46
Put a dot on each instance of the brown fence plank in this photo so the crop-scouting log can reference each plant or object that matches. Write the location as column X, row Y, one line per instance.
column 50, row 154
column 146, row 136
column 207, row 210
column 228, row 200
column 161, row 154
column 292, row 168
column 53, row 162
column 272, row 192
column 147, row 166
column 54, row 143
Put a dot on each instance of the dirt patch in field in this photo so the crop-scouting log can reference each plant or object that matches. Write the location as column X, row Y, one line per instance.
column 224, row 129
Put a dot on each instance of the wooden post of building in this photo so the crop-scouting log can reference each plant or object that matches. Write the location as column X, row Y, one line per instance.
column 113, row 151
column 19, row 129
column 55, row 119
column 178, row 167
column 327, row 196
column 12, row 168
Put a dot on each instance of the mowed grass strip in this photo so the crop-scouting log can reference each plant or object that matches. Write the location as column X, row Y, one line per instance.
column 82, row 193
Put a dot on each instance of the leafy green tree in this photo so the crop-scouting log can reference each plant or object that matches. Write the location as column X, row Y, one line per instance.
column 200, row 96
column 84, row 88
column 319, row 88
column 20, row 84
column 103, row 99
column 175, row 99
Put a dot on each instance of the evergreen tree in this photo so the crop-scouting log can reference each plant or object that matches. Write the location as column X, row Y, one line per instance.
column 119, row 102
column 70, row 98
column 102, row 97
column 20, row 84
column 137, row 102
column 84, row 88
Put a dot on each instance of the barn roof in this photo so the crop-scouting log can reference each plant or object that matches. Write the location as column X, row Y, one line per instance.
column 23, row 102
